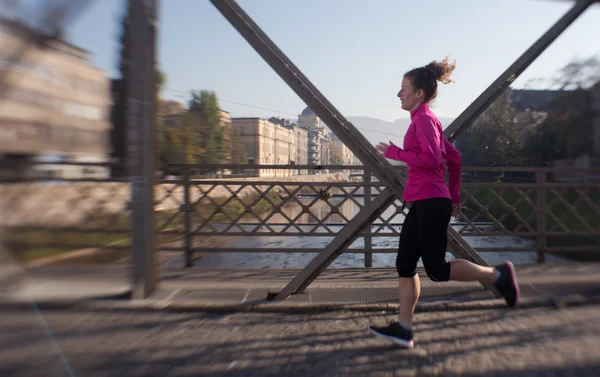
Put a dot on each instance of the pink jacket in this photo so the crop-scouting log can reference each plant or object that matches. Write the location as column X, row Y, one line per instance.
column 425, row 150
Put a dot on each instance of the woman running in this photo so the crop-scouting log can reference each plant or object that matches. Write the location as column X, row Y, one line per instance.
column 432, row 204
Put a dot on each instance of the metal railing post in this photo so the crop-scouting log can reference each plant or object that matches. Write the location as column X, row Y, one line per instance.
column 187, row 219
column 541, row 216
column 368, row 238
column 141, row 138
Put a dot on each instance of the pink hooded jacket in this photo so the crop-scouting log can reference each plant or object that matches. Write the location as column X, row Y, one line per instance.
column 425, row 151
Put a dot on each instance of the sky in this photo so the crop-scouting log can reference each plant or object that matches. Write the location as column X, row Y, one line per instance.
column 354, row 51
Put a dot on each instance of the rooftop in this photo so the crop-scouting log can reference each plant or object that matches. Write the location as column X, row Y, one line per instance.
column 308, row 112
column 22, row 30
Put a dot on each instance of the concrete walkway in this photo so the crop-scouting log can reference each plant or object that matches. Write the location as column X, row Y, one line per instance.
column 495, row 342
column 54, row 325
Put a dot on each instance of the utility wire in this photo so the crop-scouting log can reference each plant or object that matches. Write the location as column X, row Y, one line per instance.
column 279, row 111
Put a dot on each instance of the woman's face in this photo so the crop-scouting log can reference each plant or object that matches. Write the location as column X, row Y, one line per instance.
column 409, row 97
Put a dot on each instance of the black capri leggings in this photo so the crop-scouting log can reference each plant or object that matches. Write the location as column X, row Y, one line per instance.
column 424, row 235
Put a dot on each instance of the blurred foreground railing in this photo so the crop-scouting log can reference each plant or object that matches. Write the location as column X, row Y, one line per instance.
column 200, row 209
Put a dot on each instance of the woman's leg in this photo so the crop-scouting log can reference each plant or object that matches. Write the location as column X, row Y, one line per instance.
column 433, row 220
column 409, row 285
column 463, row 270
column 409, row 290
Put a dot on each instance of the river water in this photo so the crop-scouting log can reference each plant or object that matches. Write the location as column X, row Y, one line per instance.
column 348, row 209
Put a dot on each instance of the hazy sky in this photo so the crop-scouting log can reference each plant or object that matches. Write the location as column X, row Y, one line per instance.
column 354, row 51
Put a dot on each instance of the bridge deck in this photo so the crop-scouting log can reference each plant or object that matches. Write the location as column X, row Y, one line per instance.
column 223, row 286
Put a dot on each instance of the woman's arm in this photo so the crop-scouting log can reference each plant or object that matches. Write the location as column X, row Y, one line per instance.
column 429, row 139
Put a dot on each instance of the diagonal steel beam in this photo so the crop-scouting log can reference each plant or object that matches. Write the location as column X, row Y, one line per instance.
column 341, row 242
column 467, row 117
column 343, row 129
column 346, row 132
column 350, row 233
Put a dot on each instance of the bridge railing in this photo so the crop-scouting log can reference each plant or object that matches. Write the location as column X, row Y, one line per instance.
column 534, row 210
column 559, row 209
column 206, row 209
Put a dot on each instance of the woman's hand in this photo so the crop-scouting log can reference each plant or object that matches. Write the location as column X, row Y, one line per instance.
column 382, row 148
column 456, row 210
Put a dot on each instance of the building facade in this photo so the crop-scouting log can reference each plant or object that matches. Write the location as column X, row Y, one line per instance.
column 265, row 143
column 301, row 143
column 308, row 119
column 55, row 103
column 345, row 157
column 318, row 138
column 300, row 146
column 287, row 124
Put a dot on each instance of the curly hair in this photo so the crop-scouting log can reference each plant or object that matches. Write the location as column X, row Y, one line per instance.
column 426, row 77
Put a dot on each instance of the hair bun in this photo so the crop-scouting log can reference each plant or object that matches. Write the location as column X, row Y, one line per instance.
column 442, row 70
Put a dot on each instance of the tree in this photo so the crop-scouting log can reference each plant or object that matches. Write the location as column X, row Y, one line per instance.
column 503, row 136
column 567, row 132
column 192, row 144
column 497, row 138
column 212, row 145
column 174, row 148
column 578, row 74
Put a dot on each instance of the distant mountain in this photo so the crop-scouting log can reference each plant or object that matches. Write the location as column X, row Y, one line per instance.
column 377, row 130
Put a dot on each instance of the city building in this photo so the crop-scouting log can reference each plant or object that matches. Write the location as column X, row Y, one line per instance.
column 286, row 123
column 344, row 155
column 318, row 138
column 225, row 122
column 301, row 143
column 282, row 122
column 308, row 119
column 300, row 149
column 265, row 143
column 224, row 118
column 55, row 104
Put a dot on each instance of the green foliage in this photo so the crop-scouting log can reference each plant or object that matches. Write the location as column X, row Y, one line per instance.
column 503, row 136
column 497, row 138
column 566, row 133
column 200, row 138
column 211, row 145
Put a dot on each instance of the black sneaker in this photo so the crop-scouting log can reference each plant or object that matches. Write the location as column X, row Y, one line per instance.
column 394, row 332
column 507, row 284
